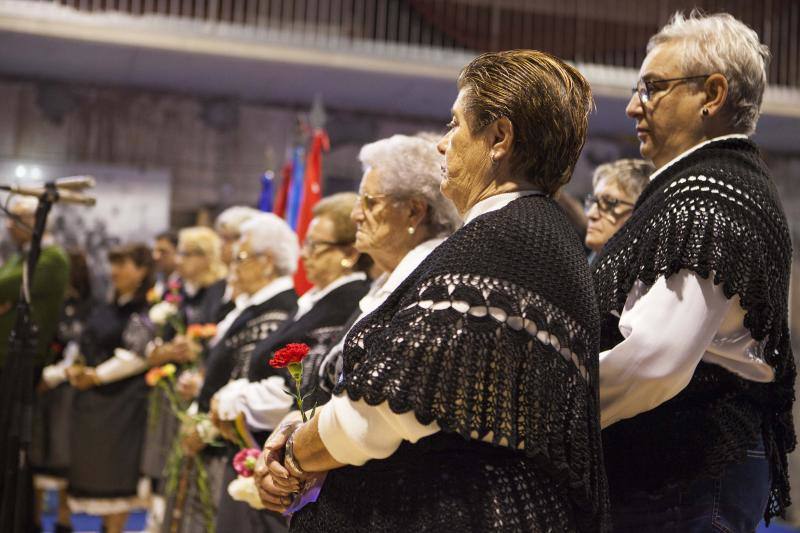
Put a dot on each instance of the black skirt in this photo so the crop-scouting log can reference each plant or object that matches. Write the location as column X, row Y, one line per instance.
column 106, row 438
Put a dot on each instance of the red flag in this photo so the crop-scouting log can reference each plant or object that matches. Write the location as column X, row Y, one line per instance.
column 283, row 191
column 312, row 193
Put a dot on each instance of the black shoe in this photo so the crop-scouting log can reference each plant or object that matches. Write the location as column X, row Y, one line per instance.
column 61, row 528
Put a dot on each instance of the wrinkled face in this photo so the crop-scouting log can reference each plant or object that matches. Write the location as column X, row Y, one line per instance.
column 671, row 122
column 250, row 269
column 191, row 261
column 380, row 218
column 126, row 276
column 466, row 159
column 604, row 223
column 322, row 253
column 20, row 231
column 229, row 239
column 164, row 256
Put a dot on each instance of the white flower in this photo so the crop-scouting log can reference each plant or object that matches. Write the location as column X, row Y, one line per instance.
column 161, row 312
column 207, row 431
column 243, row 489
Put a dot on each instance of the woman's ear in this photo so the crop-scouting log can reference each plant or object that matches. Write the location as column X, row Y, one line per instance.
column 501, row 139
column 716, row 89
column 417, row 211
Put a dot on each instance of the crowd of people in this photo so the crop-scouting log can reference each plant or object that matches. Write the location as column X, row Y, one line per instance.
column 472, row 365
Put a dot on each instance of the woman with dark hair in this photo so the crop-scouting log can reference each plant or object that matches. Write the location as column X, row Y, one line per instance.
column 468, row 400
column 110, row 406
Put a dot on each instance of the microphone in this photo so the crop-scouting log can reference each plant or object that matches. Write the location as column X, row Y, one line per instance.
column 75, row 183
column 66, row 196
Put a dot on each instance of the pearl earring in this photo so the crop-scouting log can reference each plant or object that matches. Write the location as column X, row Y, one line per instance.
column 411, row 230
column 345, row 263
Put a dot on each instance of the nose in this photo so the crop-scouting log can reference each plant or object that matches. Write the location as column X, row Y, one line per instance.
column 634, row 108
column 593, row 213
column 442, row 146
column 357, row 214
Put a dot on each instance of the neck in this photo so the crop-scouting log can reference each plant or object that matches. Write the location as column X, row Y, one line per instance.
column 493, row 188
column 258, row 285
column 331, row 278
column 389, row 259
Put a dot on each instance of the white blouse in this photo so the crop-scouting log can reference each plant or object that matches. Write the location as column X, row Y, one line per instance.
column 669, row 328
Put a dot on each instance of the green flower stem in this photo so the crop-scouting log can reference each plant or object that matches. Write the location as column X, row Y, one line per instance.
column 296, row 370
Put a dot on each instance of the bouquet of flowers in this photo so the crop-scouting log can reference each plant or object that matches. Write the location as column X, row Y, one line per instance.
column 243, row 488
column 163, row 377
column 163, row 312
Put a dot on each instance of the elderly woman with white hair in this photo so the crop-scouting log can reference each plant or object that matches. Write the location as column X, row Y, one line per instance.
column 264, row 260
column 335, row 269
column 696, row 380
column 400, row 217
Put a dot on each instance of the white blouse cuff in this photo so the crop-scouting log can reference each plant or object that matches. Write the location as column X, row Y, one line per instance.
column 122, row 365
column 355, row 432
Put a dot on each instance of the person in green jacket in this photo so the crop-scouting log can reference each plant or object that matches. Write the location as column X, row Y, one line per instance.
column 49, row 281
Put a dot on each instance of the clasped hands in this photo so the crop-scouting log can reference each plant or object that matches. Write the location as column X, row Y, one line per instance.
column 278, row 482
column 181, row 349
column 82, row 377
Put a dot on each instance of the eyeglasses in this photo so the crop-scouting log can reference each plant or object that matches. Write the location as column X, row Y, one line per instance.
column 190, row 253
column 605, row 204
column 241, row 257
column 311, row 247
column 368, row 201
column 645, row 88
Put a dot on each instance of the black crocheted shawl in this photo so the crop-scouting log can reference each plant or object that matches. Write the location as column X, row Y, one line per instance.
column 714, row 212
column 495, row 337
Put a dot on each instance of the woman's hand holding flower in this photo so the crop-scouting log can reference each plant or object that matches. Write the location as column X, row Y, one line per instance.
column 275, row 484
column 191, row 442
column 226, row 427
column 188, row 385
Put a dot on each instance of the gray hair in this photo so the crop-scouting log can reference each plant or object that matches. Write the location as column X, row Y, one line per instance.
column 720, row 43
column 233, row 217
column 271, row 235
column 410, row 166
column 632, row 175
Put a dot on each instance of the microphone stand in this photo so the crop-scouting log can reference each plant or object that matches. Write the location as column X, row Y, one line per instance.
column 17, row 392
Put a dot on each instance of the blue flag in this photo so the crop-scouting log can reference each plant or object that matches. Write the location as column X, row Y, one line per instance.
column 265, row 199
column 296, row 191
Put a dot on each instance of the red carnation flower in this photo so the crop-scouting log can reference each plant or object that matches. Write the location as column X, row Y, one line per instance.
column 291, row 353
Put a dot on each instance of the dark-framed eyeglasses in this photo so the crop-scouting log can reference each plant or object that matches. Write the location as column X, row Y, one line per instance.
column 605, row 204
column 311, row 247
column 645, row 88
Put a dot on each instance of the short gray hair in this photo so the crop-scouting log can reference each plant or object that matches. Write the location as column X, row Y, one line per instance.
column 721, row 43
column 412, row 166
column 632, row 175
column 233, row 217
column 271, row 235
